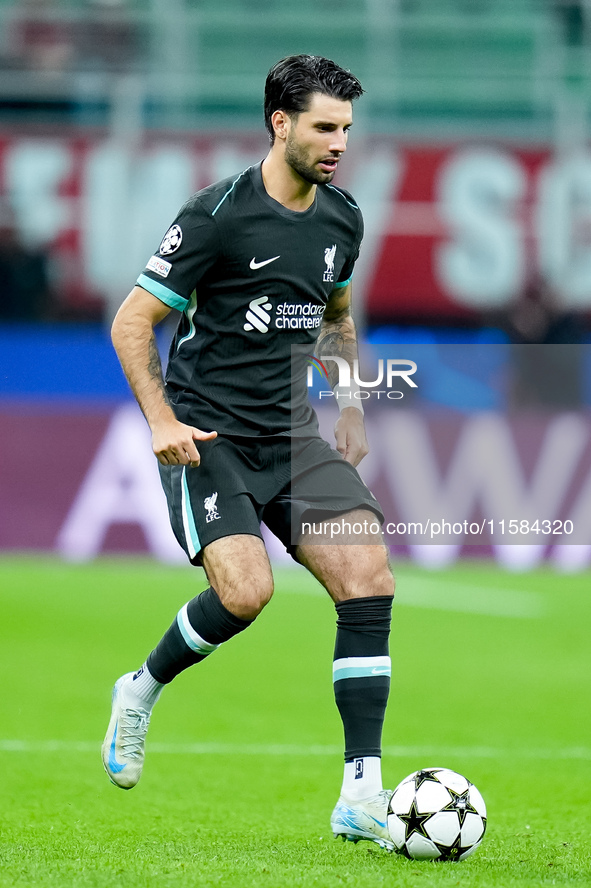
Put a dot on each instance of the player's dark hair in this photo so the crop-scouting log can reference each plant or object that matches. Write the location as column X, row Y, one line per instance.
column 292, row 81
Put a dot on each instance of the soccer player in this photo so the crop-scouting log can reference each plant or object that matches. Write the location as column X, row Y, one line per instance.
column 260, row 266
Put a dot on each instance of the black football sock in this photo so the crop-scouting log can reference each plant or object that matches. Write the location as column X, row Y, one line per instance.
column 198, row 630
column 361, row 672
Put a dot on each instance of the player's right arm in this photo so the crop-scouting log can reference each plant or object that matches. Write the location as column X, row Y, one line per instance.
column 133, row 338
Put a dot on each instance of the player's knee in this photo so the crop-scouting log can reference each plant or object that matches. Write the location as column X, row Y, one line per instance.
column 385, row 582
column 382, row 581
column 370, row 579
column 247, row 597
column 258, row 596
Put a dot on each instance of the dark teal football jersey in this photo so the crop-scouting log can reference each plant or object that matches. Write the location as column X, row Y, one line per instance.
column 252, row 279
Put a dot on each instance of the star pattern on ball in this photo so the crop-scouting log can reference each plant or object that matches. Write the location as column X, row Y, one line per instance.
column 461, row 804
column 415, row 822
column 423, row 776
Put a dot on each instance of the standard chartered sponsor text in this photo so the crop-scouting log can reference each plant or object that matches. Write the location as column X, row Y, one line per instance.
column 296, row 316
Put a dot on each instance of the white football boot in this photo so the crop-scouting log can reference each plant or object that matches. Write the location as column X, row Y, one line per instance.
column 123, row 746
column 366, row 819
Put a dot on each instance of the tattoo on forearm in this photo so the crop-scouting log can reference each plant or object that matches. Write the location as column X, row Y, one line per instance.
column 338, row 338
column 331, row 344
column 155, row 367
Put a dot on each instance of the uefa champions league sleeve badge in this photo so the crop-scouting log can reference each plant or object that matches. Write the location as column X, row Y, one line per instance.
column 171, row 241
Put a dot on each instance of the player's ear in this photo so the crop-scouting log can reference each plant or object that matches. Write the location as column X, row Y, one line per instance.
column 280, row 121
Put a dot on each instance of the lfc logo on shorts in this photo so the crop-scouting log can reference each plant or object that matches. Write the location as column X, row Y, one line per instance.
column 211, row 508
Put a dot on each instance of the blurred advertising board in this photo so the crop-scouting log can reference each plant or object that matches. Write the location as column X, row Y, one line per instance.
column 474, row 450
column 453, row 232
column 514, row 488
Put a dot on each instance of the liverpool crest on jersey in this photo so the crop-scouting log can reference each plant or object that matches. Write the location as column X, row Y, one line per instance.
column 329, row 255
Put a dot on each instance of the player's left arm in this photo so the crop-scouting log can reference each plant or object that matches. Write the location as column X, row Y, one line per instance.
column 338, row 338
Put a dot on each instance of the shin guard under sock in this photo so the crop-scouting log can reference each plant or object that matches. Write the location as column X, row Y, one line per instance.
column 361, row 672
column 198, row 630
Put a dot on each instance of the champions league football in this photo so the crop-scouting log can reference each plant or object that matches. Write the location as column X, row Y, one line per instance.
column 436, row 814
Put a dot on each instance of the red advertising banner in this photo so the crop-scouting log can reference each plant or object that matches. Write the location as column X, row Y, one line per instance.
column 452, row 232
column 462, row 232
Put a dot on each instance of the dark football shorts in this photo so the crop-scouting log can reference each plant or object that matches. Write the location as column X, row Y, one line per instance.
column 243, row 481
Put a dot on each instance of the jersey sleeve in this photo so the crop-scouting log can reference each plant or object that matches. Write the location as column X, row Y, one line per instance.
column 186, row 254
column 346, row 274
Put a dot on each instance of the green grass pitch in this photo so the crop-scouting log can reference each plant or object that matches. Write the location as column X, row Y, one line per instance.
column 491, row 677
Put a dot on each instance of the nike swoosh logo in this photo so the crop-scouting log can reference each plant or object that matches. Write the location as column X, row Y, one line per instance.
column 254, row 264
column 114, row 765
column 380, row 671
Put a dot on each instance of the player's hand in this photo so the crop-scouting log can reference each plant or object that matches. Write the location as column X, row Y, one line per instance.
column 173, row 443
column 350, row 435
